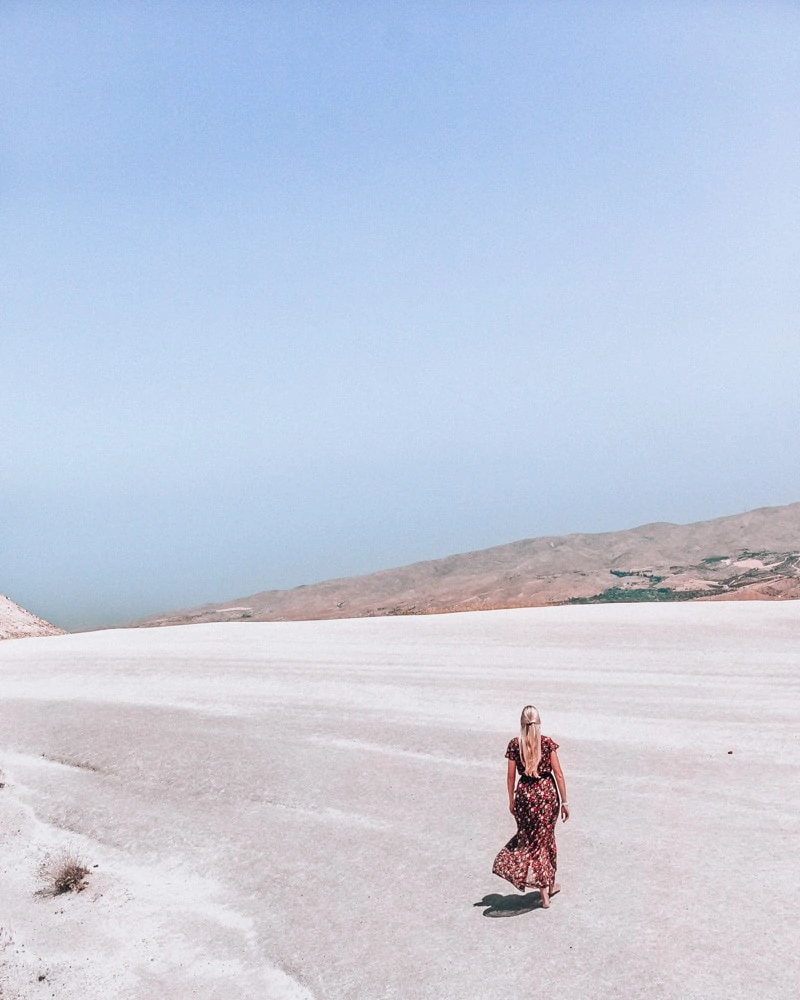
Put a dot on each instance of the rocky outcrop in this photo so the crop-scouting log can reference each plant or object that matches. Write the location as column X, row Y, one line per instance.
column 17, row 623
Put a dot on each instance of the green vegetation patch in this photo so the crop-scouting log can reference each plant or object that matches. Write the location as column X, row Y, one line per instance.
column 623, row 595
column 645, row 573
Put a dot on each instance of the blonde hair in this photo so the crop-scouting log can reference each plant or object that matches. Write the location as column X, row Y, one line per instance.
column 530, row 740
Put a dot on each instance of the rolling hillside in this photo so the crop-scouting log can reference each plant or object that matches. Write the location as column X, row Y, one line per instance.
column 750, row 556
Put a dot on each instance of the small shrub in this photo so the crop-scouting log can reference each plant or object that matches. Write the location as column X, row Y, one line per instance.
column 63, row 872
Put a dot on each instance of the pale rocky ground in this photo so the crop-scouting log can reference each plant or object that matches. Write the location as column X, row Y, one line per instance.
column 311, row 810
column 17, row 623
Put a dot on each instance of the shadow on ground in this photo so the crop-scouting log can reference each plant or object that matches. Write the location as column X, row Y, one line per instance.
column 509, row 906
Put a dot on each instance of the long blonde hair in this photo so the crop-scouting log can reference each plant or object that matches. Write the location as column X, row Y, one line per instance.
column 530, row 739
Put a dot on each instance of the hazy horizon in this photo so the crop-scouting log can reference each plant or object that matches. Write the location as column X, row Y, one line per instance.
column 296, row 293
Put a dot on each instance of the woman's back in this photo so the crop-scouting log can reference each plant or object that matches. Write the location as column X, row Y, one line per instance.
column 548, row 746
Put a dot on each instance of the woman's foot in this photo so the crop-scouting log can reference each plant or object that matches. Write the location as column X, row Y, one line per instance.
column 545, row 894
column 553, row 888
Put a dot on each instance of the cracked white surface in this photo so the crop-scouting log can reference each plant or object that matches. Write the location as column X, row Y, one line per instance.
column 311, row 809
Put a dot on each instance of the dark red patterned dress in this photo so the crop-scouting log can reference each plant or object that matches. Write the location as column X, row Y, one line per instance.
column 529, row 859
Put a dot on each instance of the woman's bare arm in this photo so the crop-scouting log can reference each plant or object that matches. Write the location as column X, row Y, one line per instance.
column 510, row 780
column 555, row 763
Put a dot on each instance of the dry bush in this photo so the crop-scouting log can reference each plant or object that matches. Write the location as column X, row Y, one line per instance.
column 63, row 871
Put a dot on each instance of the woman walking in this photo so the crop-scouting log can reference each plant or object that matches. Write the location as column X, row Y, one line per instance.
column 529, row 859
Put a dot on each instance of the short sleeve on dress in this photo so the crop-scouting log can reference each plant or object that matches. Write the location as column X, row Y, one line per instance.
column 551, row 744
column 513, row 750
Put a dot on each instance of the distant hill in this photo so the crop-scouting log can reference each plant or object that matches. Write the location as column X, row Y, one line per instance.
column 17, row 623
column 752, row 556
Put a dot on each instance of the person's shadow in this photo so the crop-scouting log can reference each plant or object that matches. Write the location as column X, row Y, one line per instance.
column 509, row 906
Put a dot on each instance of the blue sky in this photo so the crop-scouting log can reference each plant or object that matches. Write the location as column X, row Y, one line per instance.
column 293, row 291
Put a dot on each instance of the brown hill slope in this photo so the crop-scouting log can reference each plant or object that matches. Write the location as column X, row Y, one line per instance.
column 755, row 555
column 17, row 623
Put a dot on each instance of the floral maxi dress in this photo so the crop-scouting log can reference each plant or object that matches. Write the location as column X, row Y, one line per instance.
column 529, row 859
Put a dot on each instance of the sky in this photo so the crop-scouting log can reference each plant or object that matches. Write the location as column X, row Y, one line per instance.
column 294, row 291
